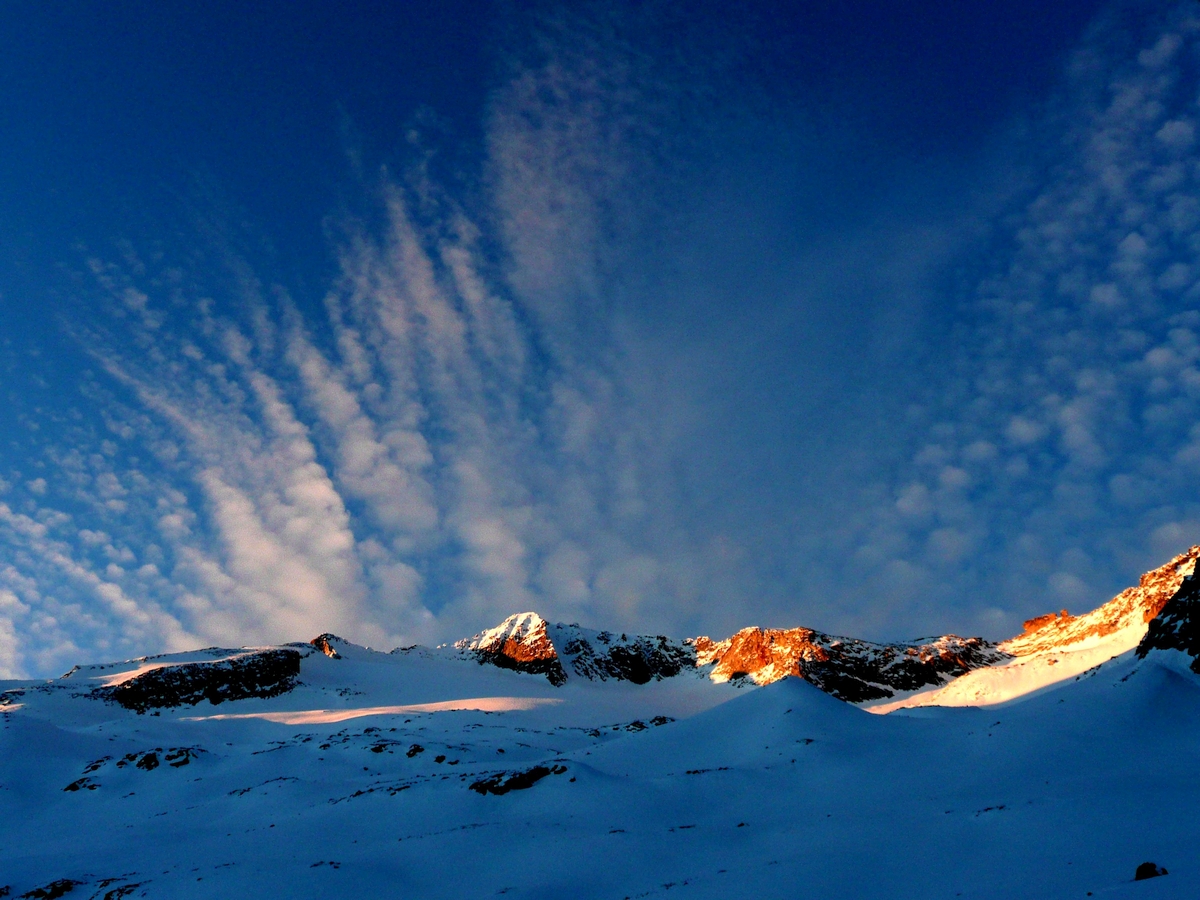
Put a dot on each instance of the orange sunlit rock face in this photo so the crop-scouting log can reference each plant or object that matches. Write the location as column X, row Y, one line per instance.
column 520, row 643
column 325, row 643
column 765, row 655
column 521, row 638
column 851, row 669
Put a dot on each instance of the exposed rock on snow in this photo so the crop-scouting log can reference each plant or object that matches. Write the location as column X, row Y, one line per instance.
column 601, row 655
column 53, row 890
column 519, row 643
column 852, row 670
column 1148, row 870
column 259, row 673
column 147, row 761
column 515, row 781
column 326, row 644
column 1177, row 627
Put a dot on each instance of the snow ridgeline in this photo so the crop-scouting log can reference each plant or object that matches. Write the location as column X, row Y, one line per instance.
column 850, row 669
column 943, row 671
column 1057, row 647
column 327, row 768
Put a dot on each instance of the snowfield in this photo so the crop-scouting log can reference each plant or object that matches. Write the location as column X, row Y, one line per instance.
column 1023, row 675
column 771, row 792
column 327, row 769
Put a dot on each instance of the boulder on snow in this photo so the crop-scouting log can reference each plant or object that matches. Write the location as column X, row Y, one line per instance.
column 1148, row 870
column 515, row 781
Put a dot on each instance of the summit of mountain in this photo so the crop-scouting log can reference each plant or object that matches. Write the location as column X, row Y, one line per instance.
column 526, row 642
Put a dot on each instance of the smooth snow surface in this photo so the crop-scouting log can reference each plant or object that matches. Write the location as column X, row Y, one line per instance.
column 1024, row 675
column 771, row 792
column 330, row 716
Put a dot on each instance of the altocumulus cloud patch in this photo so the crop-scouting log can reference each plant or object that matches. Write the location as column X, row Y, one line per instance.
column 463, row 421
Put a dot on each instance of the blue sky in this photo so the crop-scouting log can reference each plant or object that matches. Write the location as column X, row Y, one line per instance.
column 394, row 319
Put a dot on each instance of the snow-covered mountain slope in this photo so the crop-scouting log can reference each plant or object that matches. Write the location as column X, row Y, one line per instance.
column 325, row 767
column 1129, row 611
column 1057, row 647
column 423, row 774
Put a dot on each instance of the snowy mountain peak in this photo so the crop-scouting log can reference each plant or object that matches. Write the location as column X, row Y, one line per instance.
column 1129, row 610
column 520, row 643
column 525, row 632
column 527, row 643
column 1177, row 627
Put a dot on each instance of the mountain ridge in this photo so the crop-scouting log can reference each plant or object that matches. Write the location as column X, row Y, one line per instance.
column 1133, row 607
column 326, row 766
column 945, row 670
column 850, row 669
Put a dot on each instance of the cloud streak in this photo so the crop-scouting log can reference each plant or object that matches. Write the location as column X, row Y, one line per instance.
column 470, row 419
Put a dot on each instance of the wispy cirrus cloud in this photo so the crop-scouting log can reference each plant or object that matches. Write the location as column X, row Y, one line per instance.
column 472, row 419
column 394, row 465
column 448, row 437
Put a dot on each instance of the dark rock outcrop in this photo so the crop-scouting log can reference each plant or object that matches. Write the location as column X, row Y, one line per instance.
column 53, row 890
column 640, row 658
column 1148, row 870
column 260, row 673
column 1177, row 627
column 515, row 781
